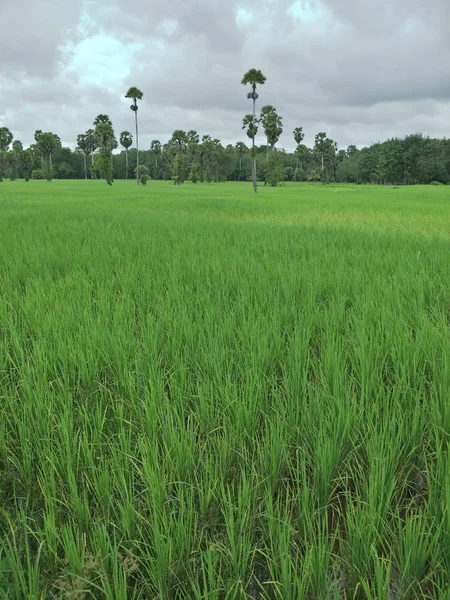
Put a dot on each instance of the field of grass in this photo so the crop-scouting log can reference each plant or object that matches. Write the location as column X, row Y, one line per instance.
column 208, row 394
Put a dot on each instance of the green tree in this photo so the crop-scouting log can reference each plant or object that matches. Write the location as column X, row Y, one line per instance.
column 48, row 143
column 26, row 163
column 253, row 77
column 179, row 141
column 135, row 94
column 106, row 142
column 6, row 137
column 192, row 137
column 273, row 128
column 156, row 148
column 86, row 147
column 14, row 159
column 126, row 140
column 251, row 127
column 266, row 111
column 326, row 149
column 272, row 124
column 92, row 146
column 65, row 171
column 320, row 147
column 299, row 136
column 145, row 174
column 240, row 149
column 275, row 169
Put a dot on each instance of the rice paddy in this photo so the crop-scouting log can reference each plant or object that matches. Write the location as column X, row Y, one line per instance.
column 211, row 394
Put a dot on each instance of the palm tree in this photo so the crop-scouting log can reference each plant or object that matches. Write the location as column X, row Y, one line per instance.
column 106, row 142
column 265, row 120
column 274, row 128
column 250, row 125
column 320, row 146
column 253, row 77
column 299, row 136
column 102, row 119
column 48, row 143
column 126, row 140
column 135, row 94
column 155, row 147
column 84, row 147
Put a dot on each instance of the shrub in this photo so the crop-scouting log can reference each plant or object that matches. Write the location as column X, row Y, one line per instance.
column 37, row 174
column 144, row 178
column 436, row 183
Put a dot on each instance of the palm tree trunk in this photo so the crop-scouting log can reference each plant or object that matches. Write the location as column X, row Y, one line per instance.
column 255, row 185
column 137, row 148
column 50, row 173
column 112, row 167
column 85, row 166
column 126, row 163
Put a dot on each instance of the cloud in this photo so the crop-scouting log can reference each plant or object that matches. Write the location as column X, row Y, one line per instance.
column 361, row 70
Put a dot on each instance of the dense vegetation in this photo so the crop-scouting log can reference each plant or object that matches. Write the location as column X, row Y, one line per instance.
column 412, row 160
column 211, row 395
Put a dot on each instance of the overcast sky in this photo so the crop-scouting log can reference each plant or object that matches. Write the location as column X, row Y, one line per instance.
column 360, row 70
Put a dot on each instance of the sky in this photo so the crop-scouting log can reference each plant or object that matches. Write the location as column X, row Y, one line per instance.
column 360, row 70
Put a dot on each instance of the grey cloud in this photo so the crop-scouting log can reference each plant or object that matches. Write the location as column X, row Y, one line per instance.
column 34, row 33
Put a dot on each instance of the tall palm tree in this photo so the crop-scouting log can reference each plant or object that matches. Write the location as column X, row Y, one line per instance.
column 253, row 77
column 126, row 140
column 135, row 94
column 299, row 136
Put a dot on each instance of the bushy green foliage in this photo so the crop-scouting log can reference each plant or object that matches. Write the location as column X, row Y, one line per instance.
column 194, row 172
column 275, row 169
column 208, row 396
column 37, row 174
column 178, row 169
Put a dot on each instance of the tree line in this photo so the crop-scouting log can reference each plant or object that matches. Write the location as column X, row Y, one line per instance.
column 187, row 156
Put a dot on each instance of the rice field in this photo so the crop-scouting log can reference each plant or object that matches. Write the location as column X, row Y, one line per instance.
column 208, row 394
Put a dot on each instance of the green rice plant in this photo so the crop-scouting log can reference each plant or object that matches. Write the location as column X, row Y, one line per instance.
column 414, row 549
column 208, row 395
